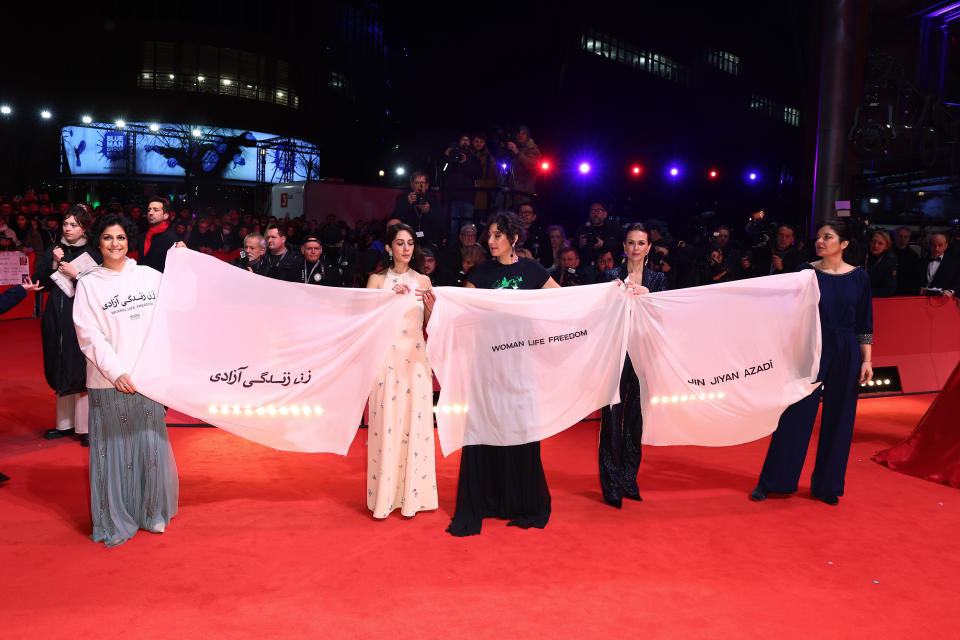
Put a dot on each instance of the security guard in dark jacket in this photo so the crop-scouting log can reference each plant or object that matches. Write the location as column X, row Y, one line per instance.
column 283, row 262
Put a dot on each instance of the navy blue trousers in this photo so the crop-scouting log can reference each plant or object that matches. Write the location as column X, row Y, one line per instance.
column 788, row 447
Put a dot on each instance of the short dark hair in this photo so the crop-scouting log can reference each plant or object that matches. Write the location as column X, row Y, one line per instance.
column 418, row 173
column 841, row 228
column 564, row 250
column 81, row 214
column 508, row 223
column 283, row 234
column 112, row 219
column 164, row 202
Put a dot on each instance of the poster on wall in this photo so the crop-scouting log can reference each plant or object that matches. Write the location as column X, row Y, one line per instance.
column 14, row 268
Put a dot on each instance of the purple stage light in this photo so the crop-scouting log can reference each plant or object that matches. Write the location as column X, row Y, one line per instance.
column 584, row 167
column 674, row 171
column 752, row 175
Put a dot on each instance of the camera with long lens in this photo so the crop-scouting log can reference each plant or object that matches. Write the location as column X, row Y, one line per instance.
column 761, row 229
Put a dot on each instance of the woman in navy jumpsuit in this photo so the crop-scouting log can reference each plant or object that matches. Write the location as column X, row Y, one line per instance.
column 846, row 319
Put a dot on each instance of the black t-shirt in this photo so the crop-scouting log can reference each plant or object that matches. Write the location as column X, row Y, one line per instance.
column 523, row 274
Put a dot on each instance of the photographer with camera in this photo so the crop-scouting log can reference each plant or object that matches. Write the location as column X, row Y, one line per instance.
column 421, row 210
column 461, row 168
column 524, row 156
column 597, row 234
column 569, row 273
column 489, row 176
column 251, row 258
column 771, row 250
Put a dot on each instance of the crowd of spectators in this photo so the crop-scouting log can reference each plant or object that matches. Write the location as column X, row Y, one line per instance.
column 333, row 253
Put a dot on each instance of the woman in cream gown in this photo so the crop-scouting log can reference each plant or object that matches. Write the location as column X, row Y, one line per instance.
column 401, row 471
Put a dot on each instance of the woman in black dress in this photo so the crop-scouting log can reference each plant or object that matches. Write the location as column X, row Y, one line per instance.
column 503, row 482
column 881, row 265
column 621, row 425
column 64, row 365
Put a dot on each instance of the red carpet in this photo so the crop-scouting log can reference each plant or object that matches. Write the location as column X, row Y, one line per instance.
column 270, row 544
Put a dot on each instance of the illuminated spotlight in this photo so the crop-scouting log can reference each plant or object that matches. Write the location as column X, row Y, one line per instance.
column 874, row 200
column 545, row 166
column 200, row 78
column 6, row 110
column 863, row 384
column 703, row 396
column 283, row 410
column 86, row 119
column 279, row 94
column 636, row 169
column 197, row 133
column 436, row 409
column 120, row 124
column 318, row 410
column 712, row 174
column 226, row 81
column 654, row 400
column 295, row 410
column 870, row 383
column 457, row 408
column 886, row 381
column 307, row 411
column 584, row 167
column 720, row 395
column 272, row 410
column 45, row 114
column 711, row 396
column 752, row 176
column 381, row 173
column 224, row 409
column 683, row 398
column 504, row 165
column 466, row 408
column 261, row 411
column 212, row 409
column 236, row 410
column 154, row 127
column 664, row 400
column 171, row 76
column 401, row 171
column 674, row 398
column 446, row 408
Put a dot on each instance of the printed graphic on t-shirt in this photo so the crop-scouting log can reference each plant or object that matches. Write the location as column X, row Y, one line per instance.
column 509, row 283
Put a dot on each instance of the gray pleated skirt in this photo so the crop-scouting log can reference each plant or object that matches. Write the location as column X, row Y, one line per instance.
column 133, row 477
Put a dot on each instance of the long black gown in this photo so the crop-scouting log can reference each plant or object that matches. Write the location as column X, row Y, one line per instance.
column 621, row 425
column 502, row 482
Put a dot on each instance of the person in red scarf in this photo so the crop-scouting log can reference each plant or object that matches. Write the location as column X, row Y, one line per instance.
column 160, row 235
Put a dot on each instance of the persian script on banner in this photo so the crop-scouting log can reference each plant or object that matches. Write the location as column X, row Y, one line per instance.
column 519, row 366
column 719, row 364
column 286, row 365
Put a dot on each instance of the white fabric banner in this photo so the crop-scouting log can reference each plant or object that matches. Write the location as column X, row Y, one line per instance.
column 519, row 366
column 286, row 365
column 719, row 364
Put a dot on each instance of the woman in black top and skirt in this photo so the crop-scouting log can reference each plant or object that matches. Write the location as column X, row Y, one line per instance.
column 503, row 482
column 621, row 425
column 64, row 365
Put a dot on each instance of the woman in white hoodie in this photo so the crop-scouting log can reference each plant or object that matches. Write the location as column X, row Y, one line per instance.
column 133, row 476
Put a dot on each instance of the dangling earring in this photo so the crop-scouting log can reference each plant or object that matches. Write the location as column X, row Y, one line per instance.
column 390, row 257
